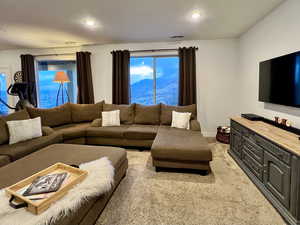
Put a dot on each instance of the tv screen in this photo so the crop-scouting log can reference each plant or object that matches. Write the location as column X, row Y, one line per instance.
column 279, row 80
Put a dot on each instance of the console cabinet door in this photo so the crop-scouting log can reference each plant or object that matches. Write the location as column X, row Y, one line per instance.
column 277, row 176
column 236, row 142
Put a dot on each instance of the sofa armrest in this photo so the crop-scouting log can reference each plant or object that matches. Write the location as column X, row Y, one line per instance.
column 195, row 125
column 96, row 123
column 47, row 130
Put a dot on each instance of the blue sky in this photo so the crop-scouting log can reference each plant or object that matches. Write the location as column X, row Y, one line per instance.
column 3, row 95
column 142, row 68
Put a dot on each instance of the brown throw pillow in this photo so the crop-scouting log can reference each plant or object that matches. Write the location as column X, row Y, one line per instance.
column 147, row 114
column 52, row 117
column 195, row 125
column 96, row 123
column 4, row 134
column 166, row 112
column 86, row 112
column 47, row 131
column 126, row 112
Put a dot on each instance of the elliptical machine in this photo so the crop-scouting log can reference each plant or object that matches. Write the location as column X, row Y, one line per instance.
column 19, row 89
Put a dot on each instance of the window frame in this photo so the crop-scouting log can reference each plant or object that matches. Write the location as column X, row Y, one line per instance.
column 49, row 58
column 154, row 69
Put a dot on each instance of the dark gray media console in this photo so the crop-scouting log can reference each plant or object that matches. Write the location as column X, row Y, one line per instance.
column 271, row 159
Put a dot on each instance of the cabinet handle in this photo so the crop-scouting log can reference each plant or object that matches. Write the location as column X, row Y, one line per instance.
column 265, row 168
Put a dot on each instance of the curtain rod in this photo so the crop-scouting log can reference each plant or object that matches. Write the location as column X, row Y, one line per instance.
column 156, row 50
column 55, row 54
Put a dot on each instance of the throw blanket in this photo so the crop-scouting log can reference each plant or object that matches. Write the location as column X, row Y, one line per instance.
column 99, row 181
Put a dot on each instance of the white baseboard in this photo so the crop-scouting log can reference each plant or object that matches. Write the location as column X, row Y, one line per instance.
column 209, row 134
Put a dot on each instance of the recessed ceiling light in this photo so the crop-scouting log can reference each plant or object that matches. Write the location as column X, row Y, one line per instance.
column 196, row 15
column 90, row 23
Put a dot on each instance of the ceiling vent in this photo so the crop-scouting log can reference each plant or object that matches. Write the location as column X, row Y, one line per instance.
column 177, row 37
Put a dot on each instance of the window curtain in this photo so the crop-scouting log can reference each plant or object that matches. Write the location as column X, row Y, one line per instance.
column 187, row 76
column 84, row 78
column 28, row 76
column 121, row 89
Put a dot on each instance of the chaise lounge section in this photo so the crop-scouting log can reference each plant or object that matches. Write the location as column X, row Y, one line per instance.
column 175, row 148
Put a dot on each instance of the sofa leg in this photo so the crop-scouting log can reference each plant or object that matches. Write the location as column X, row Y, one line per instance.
column 158, row 169
column 203, row 172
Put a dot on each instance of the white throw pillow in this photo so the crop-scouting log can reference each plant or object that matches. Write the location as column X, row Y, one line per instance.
column 22, row 130
column 111, row 118
column 181, row 120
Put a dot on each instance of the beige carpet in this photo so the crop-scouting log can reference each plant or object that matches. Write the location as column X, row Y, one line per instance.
column 225, row 197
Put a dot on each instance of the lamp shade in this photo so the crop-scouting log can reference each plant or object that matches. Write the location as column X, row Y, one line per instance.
column 61, row 77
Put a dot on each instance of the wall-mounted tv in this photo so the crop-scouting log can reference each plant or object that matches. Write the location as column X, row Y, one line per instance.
column 279, row 80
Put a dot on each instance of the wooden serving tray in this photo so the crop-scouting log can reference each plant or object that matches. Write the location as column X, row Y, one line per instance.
column 74, row 177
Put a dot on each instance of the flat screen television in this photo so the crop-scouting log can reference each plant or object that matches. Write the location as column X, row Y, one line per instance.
column 279, row 80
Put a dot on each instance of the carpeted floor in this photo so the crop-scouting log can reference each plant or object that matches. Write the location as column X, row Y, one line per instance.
column 225, row 197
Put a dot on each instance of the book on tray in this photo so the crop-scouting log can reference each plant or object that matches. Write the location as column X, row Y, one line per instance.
column 46, row 184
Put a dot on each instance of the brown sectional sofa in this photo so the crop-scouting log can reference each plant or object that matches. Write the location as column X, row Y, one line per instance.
column 9, row 153
column 88, row 213
column 141, row 126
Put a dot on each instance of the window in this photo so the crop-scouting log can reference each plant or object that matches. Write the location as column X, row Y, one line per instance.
column 48, row 89
column 3, row 94
column 154, row 80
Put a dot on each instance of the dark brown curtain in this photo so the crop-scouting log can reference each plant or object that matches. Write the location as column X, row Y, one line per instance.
column 121, row 90
column 187, row 76
column 28, row 76
column 84, row 78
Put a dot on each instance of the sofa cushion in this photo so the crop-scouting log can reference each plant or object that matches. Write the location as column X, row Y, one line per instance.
column 21, row 149
column 86, row 112
column 4, row 160
column 166, row 112
column 180, row 145
column 143, row 132
column 126, row 112
column 181, row 120
column 4, row 134
column 73, row 130
column 16, row 129
column 107, row 132
column 147, row 114
column 111, row 118
column 53, row 117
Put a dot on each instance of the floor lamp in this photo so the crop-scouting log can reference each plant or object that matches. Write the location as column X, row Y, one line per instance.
column 61, row 77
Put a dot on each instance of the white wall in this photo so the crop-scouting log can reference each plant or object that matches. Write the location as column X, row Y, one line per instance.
column 277, row 34
column 216, row 74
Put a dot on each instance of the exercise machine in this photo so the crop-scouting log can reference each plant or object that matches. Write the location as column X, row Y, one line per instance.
column 19, row 89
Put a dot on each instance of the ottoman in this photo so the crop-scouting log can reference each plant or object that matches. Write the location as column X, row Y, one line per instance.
column 181, row 149
column 89, row 212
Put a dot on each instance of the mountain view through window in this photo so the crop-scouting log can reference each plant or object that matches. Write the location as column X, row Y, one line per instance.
column 154, row 80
